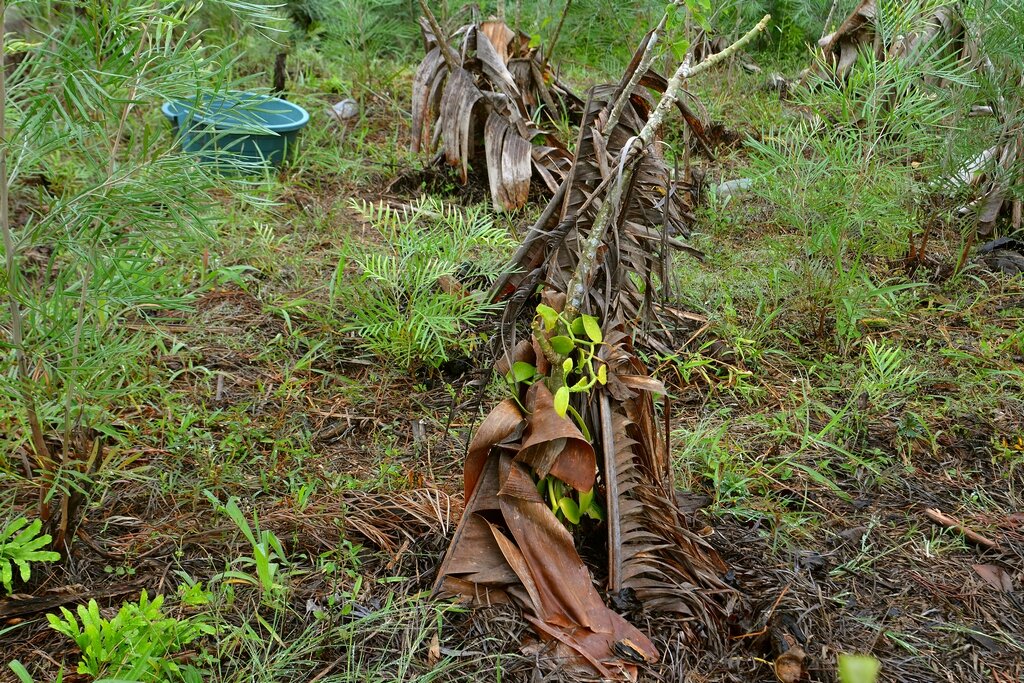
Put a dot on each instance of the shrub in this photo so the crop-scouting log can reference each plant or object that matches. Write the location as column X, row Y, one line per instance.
column 135, row 645
column 409, row 303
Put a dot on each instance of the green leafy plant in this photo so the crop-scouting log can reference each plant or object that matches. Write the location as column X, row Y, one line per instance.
column 20, row 545
column 138, row 644
column 888, row 376
column 578, row 345
column 362, row 32
column 847, row 208
column 858, row 669
column 411, row 300
column 268, row 556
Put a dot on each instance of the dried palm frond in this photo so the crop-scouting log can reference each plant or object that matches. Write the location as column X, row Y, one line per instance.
column 652, row 555
column 510, row 545
column 657, row 212
column 491, row 91
column 933, row 30
column 990, row 176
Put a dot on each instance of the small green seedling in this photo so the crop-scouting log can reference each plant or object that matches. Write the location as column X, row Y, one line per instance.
column 20, row 545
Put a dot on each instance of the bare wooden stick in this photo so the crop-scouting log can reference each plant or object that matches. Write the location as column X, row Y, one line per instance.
column 828, row 19
column 942, row 518
column 558, row 32
column 645, row 64
column 449, row 55
column 577, row 287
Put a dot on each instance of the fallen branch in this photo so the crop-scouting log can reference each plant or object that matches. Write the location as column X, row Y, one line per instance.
column 12, row 606
column 945, row 520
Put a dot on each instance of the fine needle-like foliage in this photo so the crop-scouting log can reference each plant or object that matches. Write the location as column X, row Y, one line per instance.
column 105, row 211
column 411, row 302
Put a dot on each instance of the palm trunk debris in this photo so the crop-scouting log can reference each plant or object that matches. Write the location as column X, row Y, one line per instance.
column 509, row 545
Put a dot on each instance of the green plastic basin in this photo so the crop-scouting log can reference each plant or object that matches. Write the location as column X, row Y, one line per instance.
column 237, row 129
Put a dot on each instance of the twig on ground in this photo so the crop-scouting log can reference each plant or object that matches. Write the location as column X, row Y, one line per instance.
column 945, row 520
column 767, row 617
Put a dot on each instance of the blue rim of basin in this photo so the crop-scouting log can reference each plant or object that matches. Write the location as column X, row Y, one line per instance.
column 234, row 110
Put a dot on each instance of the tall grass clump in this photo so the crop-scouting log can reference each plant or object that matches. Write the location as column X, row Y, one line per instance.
column 855, row 181
column 106, row 227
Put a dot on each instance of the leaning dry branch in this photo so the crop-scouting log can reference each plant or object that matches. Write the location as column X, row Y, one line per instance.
column 609, row 208
column 450, row 57
column 634, row 80
column 558, row 32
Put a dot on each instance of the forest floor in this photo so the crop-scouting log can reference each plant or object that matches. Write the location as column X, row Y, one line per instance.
column 812, row 456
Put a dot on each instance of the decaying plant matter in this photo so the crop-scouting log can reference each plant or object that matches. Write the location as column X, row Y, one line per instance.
column 991, row 174
column 493, row 89
column 656, row 213
column 940, row 32
column 580, row 443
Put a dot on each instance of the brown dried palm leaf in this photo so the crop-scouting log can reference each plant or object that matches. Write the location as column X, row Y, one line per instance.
column 940, row 31
column 387, row 521
column 510, row 547
column 989, row 176
column 652, row 554
column 487, row 95
column 658, row 212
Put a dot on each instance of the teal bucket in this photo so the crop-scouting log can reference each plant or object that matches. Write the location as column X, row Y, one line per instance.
column 237, row 129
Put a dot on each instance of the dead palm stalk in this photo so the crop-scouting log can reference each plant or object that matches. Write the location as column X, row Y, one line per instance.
column 580, row 390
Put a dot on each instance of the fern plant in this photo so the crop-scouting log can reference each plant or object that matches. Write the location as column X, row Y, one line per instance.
column 133, row 646
column 20, row 543
column 409, row 303
column 888, row 375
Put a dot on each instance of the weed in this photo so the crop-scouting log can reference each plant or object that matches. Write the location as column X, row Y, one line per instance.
column 20, row 543
column 858, row 669
column 138, row 644
column 117, row 208
column 268, row 558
